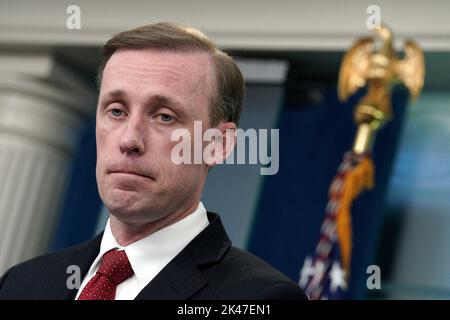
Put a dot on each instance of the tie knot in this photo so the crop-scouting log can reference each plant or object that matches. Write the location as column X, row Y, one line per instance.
column 116, row 266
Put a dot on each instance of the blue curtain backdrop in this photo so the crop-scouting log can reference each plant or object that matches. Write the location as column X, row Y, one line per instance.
column 81, row 209
column 313, row 138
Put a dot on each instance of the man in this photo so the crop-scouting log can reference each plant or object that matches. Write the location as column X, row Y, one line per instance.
column 159, row 243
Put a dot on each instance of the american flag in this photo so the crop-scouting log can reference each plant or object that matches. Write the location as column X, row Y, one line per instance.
column 325, row 274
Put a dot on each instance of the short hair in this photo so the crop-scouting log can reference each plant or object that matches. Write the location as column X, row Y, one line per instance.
column 228, row 99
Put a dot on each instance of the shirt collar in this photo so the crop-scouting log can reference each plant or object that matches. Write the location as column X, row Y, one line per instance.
column 148, row 256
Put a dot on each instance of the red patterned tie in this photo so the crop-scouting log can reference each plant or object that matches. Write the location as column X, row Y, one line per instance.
column 114, row 269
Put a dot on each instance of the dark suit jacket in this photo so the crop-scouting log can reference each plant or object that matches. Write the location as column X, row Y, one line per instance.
column 209, row 267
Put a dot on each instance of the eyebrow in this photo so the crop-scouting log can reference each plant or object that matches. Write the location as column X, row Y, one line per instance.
column 157, row 98
column 172, row 104
column 114, row 94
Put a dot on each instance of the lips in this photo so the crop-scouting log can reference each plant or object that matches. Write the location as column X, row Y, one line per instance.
column 131, row 171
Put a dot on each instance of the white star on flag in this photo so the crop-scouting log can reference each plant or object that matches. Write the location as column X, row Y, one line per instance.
column 337, row 276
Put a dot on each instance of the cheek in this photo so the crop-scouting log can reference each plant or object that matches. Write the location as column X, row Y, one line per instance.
column 104, row 139
column 181, row 179
column 160, row 146
column 164, row 158
column 103, row 147
column 172, row 171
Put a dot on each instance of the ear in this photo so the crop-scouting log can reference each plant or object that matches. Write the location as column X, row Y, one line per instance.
column 222, row 140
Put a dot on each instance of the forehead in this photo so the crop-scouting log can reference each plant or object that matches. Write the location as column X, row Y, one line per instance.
column 146, row 68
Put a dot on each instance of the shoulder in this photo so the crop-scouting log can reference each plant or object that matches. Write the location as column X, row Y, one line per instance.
column 242, row 275
column 42, row 273
column 40, row 263
column 235, row 274
column 45, row 262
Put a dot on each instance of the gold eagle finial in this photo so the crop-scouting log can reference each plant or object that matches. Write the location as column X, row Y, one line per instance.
column 365, row 62
column 372, row 62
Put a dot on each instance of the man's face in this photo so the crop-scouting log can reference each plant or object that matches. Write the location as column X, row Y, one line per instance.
column 144, row 96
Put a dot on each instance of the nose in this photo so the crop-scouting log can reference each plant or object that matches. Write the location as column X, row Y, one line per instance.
column 132, row 139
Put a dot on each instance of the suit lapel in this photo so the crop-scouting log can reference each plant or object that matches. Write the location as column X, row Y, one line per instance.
column 182, row 279
column 179, row 280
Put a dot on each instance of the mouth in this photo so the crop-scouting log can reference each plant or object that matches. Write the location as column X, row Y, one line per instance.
column 130, row 173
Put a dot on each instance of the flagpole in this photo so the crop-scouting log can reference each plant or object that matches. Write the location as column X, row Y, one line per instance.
column 371, row 62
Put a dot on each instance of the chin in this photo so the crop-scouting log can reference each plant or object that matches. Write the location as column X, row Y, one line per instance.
column 130, row 214
column 129, row 209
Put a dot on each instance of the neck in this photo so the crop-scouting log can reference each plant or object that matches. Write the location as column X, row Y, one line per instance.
column 126, row 233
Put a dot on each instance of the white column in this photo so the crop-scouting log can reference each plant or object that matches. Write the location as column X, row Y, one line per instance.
column 42, row 109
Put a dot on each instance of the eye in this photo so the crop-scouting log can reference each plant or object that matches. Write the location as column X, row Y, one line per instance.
column 165, row 117
column 116, row 113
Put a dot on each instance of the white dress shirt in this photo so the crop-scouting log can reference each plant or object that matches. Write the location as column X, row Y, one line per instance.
column 148, row 256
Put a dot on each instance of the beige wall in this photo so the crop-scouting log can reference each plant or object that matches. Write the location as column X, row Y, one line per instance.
column 266, row 24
